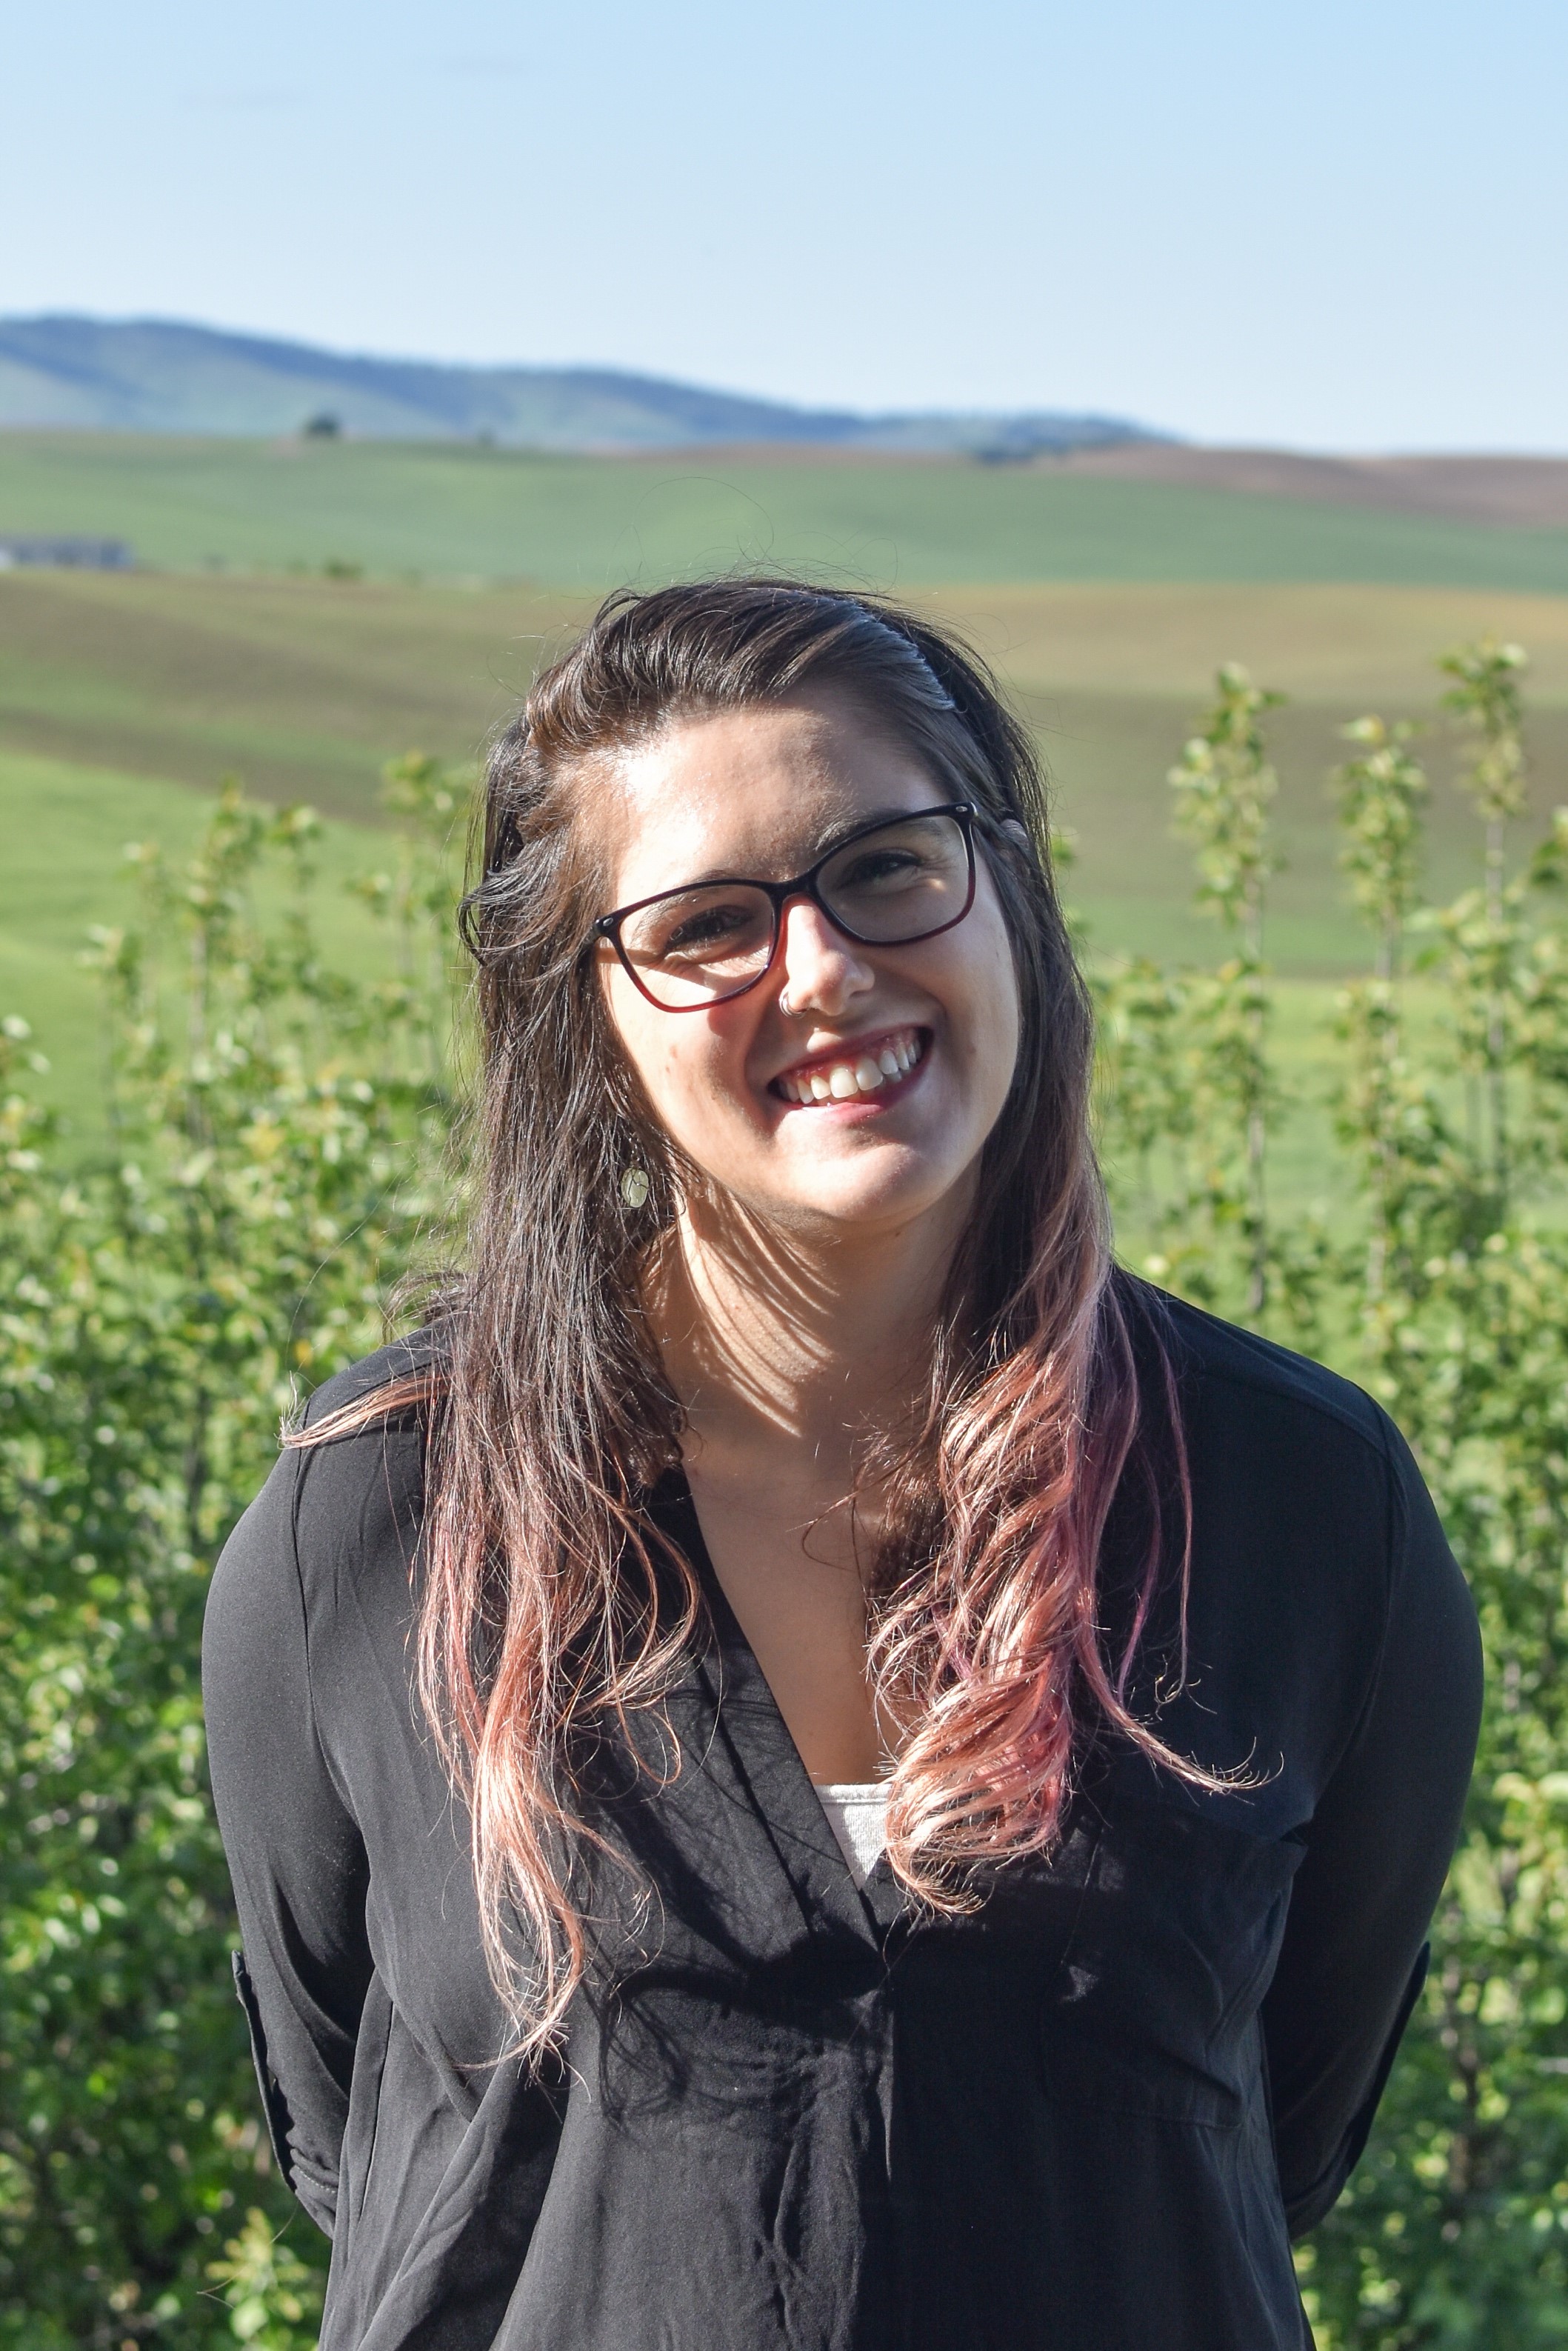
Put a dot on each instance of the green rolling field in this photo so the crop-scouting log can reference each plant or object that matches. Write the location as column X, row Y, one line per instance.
column 588, row 524
column 125, row 698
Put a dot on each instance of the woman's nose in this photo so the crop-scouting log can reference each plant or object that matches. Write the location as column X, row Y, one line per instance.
column 820, row 970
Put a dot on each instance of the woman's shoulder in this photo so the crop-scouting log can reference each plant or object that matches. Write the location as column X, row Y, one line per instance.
column 1295, row 1464
column 1315, row 1547
column 395, row 1382
column 311, row 1599
column 1298, row 1477
column 359, row 1457
column 1223, row 1366
column 342, row 1507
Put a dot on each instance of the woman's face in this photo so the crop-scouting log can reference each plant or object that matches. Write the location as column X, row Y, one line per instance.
column 762, row 794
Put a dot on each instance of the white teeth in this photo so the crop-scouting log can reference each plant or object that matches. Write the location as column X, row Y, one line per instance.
column 841, row 1081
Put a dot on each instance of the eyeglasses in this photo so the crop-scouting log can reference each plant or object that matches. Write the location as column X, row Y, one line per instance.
column 902, row 879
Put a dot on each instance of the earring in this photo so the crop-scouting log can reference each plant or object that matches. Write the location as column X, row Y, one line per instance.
column 634, row 1187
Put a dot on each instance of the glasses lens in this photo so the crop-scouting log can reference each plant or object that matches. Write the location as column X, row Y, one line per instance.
column 902, row 882
column 696, row 946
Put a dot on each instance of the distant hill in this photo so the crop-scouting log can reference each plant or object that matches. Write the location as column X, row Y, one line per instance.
column 156, row 375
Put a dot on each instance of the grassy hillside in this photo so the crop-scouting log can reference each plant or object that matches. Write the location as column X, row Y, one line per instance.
column 1110, row 677
column 305, row 686
column 586, row 524
column 124, row 699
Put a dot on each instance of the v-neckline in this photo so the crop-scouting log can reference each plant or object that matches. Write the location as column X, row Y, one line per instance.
column 782, row 1791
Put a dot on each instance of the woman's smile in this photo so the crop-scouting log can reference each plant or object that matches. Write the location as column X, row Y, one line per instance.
column 868, row 1073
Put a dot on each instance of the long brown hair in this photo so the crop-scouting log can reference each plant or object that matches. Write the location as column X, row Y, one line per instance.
column 550, row 1606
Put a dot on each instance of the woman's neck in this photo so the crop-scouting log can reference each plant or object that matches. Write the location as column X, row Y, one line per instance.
column 785, row 1351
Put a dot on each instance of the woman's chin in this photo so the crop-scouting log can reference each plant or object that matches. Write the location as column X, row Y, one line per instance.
column 864, row 1191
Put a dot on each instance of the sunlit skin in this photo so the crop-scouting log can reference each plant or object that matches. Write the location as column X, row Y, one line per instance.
column 794, row 1311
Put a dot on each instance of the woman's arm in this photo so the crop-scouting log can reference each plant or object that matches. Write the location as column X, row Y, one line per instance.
column 294, row 1854
column 1378, row 1849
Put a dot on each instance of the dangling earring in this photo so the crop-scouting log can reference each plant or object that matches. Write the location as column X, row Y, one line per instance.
column 634, row 1187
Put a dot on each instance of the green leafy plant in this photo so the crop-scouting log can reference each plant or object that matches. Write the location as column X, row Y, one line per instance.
column 1188, row 1079
column 272, row 2295
column 278, row 1137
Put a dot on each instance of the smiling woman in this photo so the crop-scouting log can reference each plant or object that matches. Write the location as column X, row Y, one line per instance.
column 809, row 1766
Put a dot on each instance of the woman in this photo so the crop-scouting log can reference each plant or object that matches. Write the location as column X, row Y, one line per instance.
column 809, row 1765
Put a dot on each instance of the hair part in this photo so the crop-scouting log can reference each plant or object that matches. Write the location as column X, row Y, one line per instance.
column 550, row 1606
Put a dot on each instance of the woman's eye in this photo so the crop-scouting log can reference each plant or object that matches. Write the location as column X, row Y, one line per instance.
column 700, row 934
column 880, row 869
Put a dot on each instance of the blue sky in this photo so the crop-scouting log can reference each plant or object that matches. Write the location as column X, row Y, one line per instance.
column 1336, row 227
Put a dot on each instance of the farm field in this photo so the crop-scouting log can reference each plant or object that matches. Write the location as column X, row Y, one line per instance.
column 304, row 687
column 125, row 698
column 1103, row 601
column 586, row 524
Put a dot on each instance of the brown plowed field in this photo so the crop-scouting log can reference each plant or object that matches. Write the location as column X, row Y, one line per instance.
column 1509, row 493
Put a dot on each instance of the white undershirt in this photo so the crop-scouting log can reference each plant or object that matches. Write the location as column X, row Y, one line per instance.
column 857, row 1814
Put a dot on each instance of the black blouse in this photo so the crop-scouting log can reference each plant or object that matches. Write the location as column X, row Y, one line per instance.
column 791, row 2116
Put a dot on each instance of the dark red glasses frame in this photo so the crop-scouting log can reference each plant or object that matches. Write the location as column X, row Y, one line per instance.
column 779, row 893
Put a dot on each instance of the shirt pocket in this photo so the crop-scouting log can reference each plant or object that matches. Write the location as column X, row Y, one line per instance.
column 1154, row 2009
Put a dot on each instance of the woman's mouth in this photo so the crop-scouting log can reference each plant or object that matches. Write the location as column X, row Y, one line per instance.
column 864, row 1069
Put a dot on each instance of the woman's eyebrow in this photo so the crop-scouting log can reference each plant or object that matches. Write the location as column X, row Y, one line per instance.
column 829, row 838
